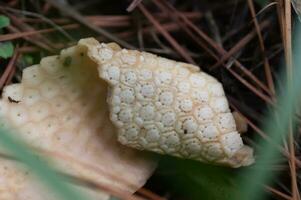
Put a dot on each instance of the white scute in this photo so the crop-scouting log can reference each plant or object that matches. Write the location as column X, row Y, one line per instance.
column 187, row 109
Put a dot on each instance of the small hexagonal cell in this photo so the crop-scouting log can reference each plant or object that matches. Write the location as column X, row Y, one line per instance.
column 13, row 92
column 149, row 60
column 110, row 72
column 49, row 89
column 231, row 143
column 128, row 77
column 123, row 116
column 163, row 77
column 167, row 120
column 225, row 122
column 192, row 147
column 145, row 91
column 31, row 96
column 203, row 114
column 152, row 133
column 184, row 104
column 146, row 113
column 149, row 136
column 104, row 52
column 165, row 97
column 183, row 87
column 129, row 133
column 71, row 118
column 219, row 104
column 208, row 132
column 197, row 80
column 200, row 96
column 59, row 104
column 213, row 151
column 182, row 72
column 145, row 74
column 115, row 109
column 18, row 115
column 170, row 142
column 186, row 125
column 114, row 100
column 215, row 89
column 49, row 125
column 39, row 111
column 124, row 94
column 128, row 57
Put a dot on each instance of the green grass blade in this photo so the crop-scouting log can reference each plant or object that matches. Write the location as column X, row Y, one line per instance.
column 38, row 166
column 277, row 128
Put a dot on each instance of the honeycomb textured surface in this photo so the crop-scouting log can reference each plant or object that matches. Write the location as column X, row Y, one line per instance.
column 168, row 107
column 60, row 109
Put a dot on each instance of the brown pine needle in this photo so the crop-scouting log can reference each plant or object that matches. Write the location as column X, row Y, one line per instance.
column 267, row 66
column 68, row 10
column 222, row 52
column 9, row 68
column 167, row 36
column 245, row 40
column 133, row 5
column 278, row 193
column 289, row 64
column 149, row 194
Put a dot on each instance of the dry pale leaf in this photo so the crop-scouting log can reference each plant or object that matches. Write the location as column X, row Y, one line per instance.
column 60, row 108
column 19, row 183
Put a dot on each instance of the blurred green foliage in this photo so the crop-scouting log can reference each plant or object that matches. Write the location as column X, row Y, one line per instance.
column 194, row 180
column 277, row 126
column 39, row 166
column 6, row 48
column 4, row 21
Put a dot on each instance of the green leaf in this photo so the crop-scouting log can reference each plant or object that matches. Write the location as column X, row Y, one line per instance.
column 4, row 21
column 192, row 179
column 6, row 49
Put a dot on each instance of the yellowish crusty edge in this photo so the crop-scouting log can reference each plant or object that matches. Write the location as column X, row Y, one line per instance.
column 168, row 107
